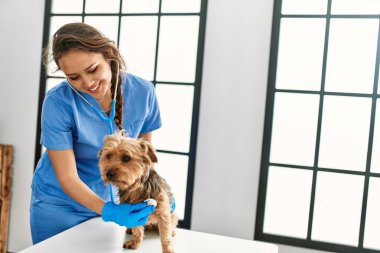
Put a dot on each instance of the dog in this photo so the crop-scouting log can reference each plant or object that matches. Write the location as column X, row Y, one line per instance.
column 129, row 165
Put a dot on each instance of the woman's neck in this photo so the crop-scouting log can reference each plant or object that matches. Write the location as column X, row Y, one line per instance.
column 105, row 103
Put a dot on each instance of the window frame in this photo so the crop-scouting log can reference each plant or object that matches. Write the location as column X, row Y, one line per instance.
column 186, row 222
column 269, row 112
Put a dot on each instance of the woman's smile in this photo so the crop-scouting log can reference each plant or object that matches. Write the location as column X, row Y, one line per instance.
column 94, row 88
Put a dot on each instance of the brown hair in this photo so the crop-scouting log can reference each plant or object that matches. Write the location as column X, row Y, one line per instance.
column 80, row 36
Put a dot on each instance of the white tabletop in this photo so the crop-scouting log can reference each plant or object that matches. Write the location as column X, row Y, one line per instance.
column 96, row 236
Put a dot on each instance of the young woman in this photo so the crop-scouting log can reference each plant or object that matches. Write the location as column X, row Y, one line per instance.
column 67, row 188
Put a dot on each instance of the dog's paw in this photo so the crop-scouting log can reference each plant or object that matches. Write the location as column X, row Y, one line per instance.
column 168, row 250
column 129, row 231
column 131, row 244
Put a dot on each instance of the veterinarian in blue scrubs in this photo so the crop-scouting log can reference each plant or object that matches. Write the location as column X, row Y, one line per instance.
column 67, row 188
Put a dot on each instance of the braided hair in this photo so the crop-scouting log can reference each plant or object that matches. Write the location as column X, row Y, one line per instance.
column 81, row 36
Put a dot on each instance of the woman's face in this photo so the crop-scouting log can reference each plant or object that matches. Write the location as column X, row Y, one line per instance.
column 88, row 72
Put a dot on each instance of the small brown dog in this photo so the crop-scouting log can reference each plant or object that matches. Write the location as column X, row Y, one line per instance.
column 128, row 164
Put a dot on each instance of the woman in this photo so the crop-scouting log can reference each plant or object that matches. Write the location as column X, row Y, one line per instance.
column 67, row 188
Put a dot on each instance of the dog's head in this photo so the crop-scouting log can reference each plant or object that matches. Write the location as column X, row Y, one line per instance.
column 124, row 161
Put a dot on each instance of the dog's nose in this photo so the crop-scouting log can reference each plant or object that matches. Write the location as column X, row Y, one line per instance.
column 110, row 173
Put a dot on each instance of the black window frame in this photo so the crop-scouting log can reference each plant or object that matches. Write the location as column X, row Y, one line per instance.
column 269, row 112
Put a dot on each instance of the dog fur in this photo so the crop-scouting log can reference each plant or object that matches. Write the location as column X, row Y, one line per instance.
column 129, row 165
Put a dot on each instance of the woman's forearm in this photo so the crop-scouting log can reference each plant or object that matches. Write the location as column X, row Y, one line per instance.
column 80, row 192
column 66, row 171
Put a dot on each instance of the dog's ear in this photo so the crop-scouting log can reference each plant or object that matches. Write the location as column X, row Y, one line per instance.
column 149, row 150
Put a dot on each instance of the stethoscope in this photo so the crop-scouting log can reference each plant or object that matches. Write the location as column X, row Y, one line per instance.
column 111, row 117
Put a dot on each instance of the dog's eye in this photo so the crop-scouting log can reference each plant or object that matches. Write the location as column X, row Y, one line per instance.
column 109, row 156
column 125, row 159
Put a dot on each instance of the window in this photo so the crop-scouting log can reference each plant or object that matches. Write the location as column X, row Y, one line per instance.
column 320, row 180
column 161, row 41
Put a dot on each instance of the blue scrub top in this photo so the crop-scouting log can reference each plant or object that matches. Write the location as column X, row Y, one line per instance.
column 68, row 122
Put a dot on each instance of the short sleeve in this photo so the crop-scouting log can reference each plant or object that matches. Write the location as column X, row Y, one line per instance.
column 153, row 119
column 56, row 126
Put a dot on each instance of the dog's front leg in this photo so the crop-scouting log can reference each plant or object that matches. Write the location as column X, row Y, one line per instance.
column 138, row 235
column 165, row 228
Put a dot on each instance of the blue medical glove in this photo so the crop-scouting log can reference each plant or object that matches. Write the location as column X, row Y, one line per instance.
column 173, row 205
column 129, row 215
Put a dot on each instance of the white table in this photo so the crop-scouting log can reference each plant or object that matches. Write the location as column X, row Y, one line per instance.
column 96, row 236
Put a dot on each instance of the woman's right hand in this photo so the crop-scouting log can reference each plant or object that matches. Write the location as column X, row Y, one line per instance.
column 129, row 215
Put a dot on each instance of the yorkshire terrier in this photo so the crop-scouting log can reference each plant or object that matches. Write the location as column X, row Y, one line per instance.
column 128, row 164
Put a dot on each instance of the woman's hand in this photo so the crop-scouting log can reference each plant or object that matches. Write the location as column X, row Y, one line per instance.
column 129, row 215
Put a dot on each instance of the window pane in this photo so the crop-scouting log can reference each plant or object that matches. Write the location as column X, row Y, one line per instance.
column 67, row 6
column 176, row 105
column 304, row 6
column 351, row 55
column 344, row 134
column 375, row 163
column 177, row 51
column 138, row 37
column 181, row 6
column 101, row 6
column 355, row 7
column 140, row 6
column 174, row 169
column 51, row 82
column 300, row 53
column 294, row 128
column 288, row 202
column 106, row 25
column 372, row 224
column 337, row 208
column 43, row 149
column 55, row 24
column 57, row 21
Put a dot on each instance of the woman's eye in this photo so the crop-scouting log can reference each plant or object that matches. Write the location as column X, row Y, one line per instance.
column 93, row 70
column 74, row 78
column 125, row 159
column 108, row 156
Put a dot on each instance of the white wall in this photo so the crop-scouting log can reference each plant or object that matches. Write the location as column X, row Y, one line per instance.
column 235, row 68
column 231, row 121
column 21, row 24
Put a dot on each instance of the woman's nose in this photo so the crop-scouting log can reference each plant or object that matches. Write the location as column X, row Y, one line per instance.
column 87, row 82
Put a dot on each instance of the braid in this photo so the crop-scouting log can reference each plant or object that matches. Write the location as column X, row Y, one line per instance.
column 119, row 100
column 119, row 108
